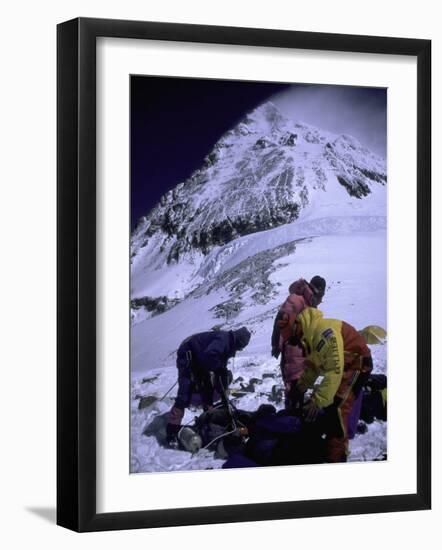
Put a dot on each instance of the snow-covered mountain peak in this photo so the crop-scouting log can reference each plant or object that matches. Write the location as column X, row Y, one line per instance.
column 265, row 120
column 266, row 172
column 265, row 117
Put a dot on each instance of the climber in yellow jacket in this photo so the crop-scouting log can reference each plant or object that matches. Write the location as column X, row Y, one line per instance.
column 338, row 352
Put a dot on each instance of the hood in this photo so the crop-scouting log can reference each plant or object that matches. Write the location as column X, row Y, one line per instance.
column 298, row 287
column 302, row 288
column 241, row 338
column 318, row 285
column 309, row 317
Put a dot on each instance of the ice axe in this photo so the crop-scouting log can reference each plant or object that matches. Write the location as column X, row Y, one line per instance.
column 228, row 404
column 231, row 409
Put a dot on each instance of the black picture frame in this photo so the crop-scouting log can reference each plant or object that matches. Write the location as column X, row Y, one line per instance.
column 76, row 274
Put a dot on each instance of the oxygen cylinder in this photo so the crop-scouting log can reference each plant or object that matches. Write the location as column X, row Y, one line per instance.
column 190, row 440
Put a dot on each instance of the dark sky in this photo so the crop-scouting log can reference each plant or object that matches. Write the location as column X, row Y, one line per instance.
column 176, row 121
column 360, row 112
column 174, row 124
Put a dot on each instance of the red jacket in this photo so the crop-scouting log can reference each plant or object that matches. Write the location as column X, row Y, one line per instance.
column 292, row 361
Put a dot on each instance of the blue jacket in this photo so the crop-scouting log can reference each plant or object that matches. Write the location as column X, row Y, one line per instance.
column 197, row 357
column 210, row 350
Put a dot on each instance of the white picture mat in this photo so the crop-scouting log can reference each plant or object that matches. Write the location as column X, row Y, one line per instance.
column 117, row 490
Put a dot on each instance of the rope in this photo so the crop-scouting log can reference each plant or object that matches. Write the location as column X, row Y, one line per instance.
column 231, row 408
column 216, row 438
column 168, row 391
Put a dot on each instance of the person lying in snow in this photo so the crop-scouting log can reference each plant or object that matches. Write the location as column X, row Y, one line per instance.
column 277, row 438
column 338, row 352
column 267, row 437
column 202, row 371
column 302, row 295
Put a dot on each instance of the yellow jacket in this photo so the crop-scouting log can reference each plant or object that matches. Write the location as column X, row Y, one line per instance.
column 322, row 339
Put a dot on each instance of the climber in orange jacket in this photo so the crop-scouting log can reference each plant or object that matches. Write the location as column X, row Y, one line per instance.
column 301, row 295
column 336, row 351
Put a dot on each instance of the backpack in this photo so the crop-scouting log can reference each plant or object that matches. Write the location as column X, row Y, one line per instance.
column 216, row 430
column 374, row 399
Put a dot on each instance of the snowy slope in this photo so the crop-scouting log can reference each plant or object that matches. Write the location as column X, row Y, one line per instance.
column 355, row 269
column 257, row 284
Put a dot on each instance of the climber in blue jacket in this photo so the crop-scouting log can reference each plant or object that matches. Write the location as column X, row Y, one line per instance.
column 202, row 371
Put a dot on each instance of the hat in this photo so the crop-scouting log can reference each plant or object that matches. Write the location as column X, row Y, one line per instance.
column 242, row 338
column 318, row 284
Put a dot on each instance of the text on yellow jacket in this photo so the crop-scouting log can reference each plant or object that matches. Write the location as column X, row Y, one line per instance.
column 334, row 350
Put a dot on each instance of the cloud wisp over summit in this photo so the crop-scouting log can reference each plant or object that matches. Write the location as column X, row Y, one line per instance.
column 360, row 112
